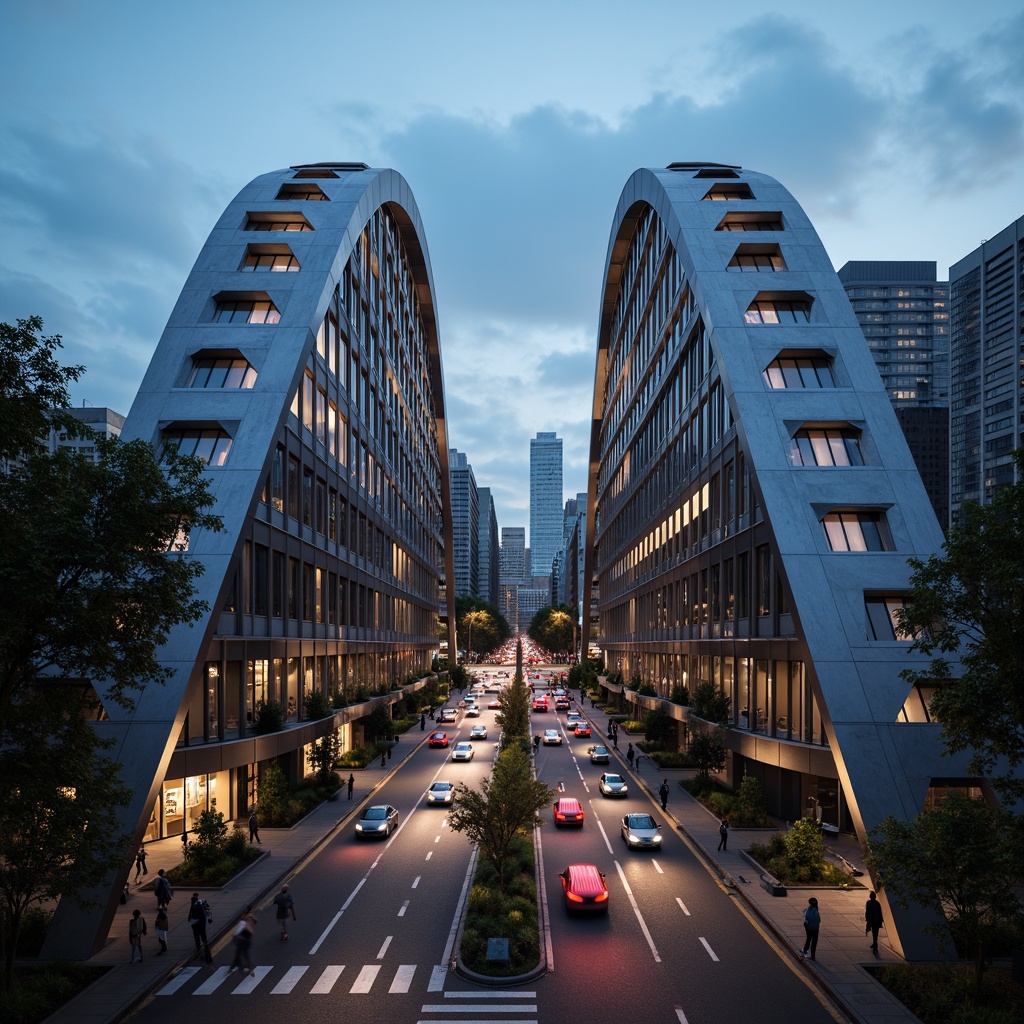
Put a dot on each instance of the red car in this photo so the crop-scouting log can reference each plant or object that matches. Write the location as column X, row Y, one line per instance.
column 540, row 704
column 438, row 739
column 583, row 729
column 584, row 887
column 568, row 811
column 494, row 704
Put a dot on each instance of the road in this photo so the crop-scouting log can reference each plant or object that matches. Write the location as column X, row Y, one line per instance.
column 375, row 925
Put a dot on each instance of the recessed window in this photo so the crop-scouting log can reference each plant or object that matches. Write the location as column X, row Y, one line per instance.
column 729, row 190
column 315, row 172
column 212, row 372
column 761, row 220
column 857, row 531
column 800, row 372
column 211, row 445
column 277, row 222
column 752, row 258
column 303, row 193
column 269, row 258
column 881, row 612
column 246, row 311
column 826, row 446
column 769, row 310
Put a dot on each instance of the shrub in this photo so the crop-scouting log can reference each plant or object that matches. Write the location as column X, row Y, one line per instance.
column 269, row 717
column 709, row 703
column 750, row 809
column 315, row 705
column 357, row 757
column 680, row 694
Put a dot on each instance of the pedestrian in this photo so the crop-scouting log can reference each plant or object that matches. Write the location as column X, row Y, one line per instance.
column 873, row 918
column 241, row 938
column 723, row 835
column 254, row 828
column 351, row 784
column 285, row 903
column 630, row 755
column 136, row 929
column 536, row 741
column 663, row 793
column 162, row 889
column 197, row 921
column 161, row 929
column 383, row 758
column 140, row 864
column 812, row 923
column 423, row 721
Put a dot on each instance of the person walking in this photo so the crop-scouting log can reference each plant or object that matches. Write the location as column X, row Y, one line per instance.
column 423, row 721
column 140, row 864
column 241, row 938
column 630, row 755
column 723, row 835
column 383, row 758
column 351, row 784
column 663, row 792
column 812, row 925
column 285, row 903
column 161, row 929
column 197, row 922
column 873, row 918
column 162, row 889
column 136, row 929
column 254, row 828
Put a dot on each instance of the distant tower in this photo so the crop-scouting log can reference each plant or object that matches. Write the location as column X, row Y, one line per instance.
column 545, row 501
column 489, row 546
column 465, row 524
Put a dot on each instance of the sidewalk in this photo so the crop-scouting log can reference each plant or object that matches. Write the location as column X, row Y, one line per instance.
column 838, row 969
column 125, row 985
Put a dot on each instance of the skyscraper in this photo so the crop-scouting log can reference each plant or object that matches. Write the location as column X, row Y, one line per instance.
column 465, row 524
column 903, row 311
column 545, row 501
column 987, row 335
column 489, row 546
column 512, row 571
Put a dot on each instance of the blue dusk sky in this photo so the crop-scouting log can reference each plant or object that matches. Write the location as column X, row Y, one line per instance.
column 126, row 128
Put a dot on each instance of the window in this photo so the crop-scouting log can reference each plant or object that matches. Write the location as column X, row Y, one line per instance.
column 306, row 192
column 826, row 447
column 881, row 617
column 778, row 311
column 277, row 480
column 277, row 222
column 211, row 445
column 764, row 580
column 857, row 531
column 812, row 371
column 265, row 258
column 729, row 190
column 246, row 311
column 754, row 258
column 745, row 221
column 212, row 372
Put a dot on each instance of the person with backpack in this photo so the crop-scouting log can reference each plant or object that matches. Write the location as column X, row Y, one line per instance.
column 197, row 919
column 163, row 891
column 663, row 792
column 723, row 833
column 812, row 925
column 285, row 903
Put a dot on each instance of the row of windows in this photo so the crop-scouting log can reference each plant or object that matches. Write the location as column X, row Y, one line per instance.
column 214, row 372
column 246, row 311
column 778, row 311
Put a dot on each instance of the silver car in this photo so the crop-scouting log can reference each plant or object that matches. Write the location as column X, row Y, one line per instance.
column 599, row 754
column 441, row 793
column 613, row 785
column 641, row 831
column 377, row 822
column 478, row 732
column 552, row 737
column 463, row 751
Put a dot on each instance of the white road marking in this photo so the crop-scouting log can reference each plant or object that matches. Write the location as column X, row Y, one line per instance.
column 403, row 909
column 249, row 984
column 213, row 982
column 604, row 835
column 657, row 867
column 681, row 1015
column 437, row 839
column 416, row 881
column 481, row 1020
column 430, row 854
column 337, row 916
column 326, row 980
column 178, row 980
column 438, row 975
column 636, row 910
column 365, row 979
column 682, row 906
column 479, row 1008
column 490, row 995
column 711, row 952
column 289, row 981
column 403, row 978
column 384, row 948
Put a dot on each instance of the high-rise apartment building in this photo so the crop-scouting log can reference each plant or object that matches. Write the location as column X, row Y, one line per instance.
column 465, row 525
column 987, row 342
column 489, row 557
column 512, row 571
column 903, row 311
column 545, row 501
column 102, row 422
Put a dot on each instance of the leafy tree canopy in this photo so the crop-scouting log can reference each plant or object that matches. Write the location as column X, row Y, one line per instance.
column 966, row 611
column 481, row 627
column 707, row 752
column 555, row 629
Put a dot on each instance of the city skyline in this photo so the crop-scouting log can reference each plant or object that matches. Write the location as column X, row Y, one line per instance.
column 899, row 129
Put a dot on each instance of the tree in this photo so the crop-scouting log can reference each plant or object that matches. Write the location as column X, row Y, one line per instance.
column 481, row 627
column 707, row 752
column 59, row 794
column 554, row 628
column 514, row 714
column 273, row 798
column 969, row 602
column 805, row 849
column 506, row 806
column 963, row 855
column 321, row 756
column 710, row 703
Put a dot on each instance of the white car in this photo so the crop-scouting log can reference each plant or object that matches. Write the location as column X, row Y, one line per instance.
column 552, row 738
column 571, row 719
column 463, row 751
column 613, row 785
column 478, row 732
column 448, row 715
column 440, row 793
column 472, row 711
column 641, row 831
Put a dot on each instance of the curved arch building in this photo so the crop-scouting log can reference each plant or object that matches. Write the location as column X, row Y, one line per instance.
column 301, row 362
column 752, row 502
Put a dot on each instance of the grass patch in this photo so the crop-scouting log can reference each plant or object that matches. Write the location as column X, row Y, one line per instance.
column 512, row 915
column 944, row 994
column 39, row 991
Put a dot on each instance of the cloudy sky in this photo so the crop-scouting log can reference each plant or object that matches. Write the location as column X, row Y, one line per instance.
column 127, row 127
